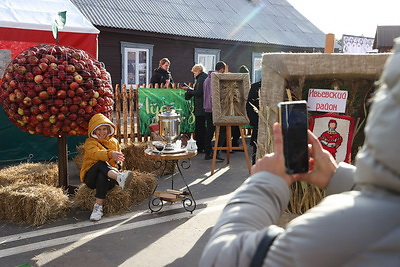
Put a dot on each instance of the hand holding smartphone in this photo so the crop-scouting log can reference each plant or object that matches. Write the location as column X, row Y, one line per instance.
column 188, row 87
column 294, row 122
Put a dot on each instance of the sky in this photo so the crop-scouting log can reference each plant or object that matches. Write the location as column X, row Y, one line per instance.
column 350, row 17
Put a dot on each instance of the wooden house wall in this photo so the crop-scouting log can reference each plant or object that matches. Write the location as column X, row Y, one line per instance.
column 180, row 50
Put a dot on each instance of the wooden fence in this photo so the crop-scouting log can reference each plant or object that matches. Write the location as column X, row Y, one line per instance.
column 126, row 113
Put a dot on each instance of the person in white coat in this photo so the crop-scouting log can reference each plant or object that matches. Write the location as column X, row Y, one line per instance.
column 351, row 228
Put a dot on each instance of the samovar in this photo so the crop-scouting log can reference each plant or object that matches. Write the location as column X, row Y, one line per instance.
column 169, row 122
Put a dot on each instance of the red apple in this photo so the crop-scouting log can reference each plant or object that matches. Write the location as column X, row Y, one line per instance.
column 71, row 93
column 58, row 103
column 64, row 109
column 36, row 70
column 73, row 117
column 93, row 102
column 43, row 66
column 46, row 124
column 38, row 79
column 51, row 90
column 31, row 93
column 36, row 101
column 29, row 76
column 43, row 95
column 79, row 91
column 78, row 78
column 81, row 111
column 74, row 85
column 88, row 109
column 73, row 108
column 54, row 110
column 61, row 94
column 70, row 68
column 33, row 60
column 27, row 101
column 21, row 70
column 43, row 107
column 39, row 117
column 62, row 75
column 34, row 110
column 67, row 121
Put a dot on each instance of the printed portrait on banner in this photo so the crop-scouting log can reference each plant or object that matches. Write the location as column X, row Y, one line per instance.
column 335, row 133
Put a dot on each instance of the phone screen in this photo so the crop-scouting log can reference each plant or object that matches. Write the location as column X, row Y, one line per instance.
column 294, row 123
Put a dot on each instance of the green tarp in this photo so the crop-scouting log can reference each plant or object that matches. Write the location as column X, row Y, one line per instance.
column 18, row 146
column 151, row 101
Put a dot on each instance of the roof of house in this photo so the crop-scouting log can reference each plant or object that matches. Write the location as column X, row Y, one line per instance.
column 257, row 21
column 385, row 35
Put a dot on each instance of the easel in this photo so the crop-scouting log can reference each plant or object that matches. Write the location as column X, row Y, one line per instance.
column 229, row 147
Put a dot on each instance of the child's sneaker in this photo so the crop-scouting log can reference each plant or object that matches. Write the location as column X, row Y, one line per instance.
column 97, row 212
column 122, row 177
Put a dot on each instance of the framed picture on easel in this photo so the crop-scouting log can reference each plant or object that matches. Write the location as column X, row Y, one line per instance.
column 229, row 95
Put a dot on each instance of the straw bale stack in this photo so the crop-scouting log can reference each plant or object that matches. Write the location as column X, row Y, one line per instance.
column 35, row 204
column 43, row 173
column 78, row 159
column 118, row 200
column 135, row 160
column 141, row 186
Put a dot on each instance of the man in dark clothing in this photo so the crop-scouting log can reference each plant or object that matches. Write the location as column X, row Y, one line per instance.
column 200, row 114
column 252, row 107
column 162, row 76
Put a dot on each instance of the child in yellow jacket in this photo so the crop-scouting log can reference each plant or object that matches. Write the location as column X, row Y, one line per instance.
column 102, row 155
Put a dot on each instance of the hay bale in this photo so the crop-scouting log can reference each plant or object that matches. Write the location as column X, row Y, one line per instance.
column 141, row 186
column 117, row 200
column 136, row 160
column 30, row 203
column 78, row 159
column 43, row 173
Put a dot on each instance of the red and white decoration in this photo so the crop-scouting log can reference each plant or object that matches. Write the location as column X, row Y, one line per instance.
column 24, row 24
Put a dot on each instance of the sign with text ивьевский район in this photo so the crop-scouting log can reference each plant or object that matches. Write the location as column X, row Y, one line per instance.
column 327, row 100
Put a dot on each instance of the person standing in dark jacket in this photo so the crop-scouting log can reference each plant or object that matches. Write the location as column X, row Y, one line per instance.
column 161, row 75
column 252, row 107
column 197, row 92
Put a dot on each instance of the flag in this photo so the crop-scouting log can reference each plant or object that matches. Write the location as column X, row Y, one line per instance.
column 59, row 23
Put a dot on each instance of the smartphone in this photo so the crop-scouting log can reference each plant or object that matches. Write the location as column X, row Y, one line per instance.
column 188, row 87
column 294, row 122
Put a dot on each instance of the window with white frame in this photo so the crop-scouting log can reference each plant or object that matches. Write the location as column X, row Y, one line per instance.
column 207, row 57
column 136, row 62
column 257, row 67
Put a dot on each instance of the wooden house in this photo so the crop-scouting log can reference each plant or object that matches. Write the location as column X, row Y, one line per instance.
column 136, row 34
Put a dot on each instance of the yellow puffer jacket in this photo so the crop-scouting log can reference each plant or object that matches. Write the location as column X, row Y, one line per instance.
column 94, row 151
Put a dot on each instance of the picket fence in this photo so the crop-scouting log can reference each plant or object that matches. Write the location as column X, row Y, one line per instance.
column 126, row 113
column 126, row 118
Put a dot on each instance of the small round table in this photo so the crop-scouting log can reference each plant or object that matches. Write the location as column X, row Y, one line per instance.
column 171, row 195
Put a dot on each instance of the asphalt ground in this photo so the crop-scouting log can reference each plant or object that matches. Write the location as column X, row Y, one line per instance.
column 170, row 237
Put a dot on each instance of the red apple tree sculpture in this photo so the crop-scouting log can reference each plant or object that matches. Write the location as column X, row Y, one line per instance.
column 54, row 90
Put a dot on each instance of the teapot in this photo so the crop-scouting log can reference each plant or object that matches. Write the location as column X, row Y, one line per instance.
column 191, row 145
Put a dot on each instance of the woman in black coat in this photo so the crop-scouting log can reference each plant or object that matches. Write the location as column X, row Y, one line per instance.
column 200, row 129
column 162, row 76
